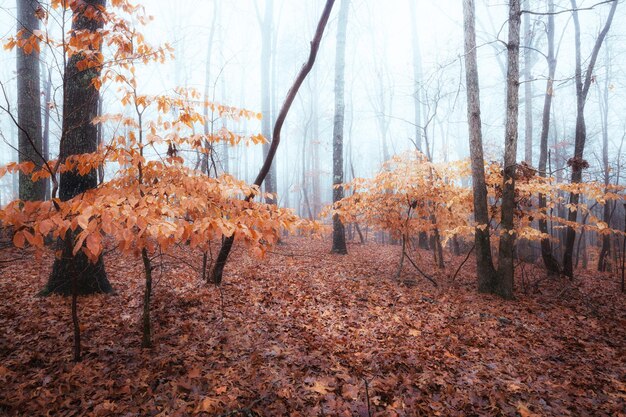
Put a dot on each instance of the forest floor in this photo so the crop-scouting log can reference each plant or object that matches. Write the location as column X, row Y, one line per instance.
column 307, row 333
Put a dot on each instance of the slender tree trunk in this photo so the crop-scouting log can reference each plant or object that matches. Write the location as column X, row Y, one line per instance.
column 266, row 105
column 528, row 88
column 315, row 170
column 417, row 102
column 623, row 284
column 550, row 262
column 417, row 76
column 507, row 235
column 339, row 233
column 79, row 135
column 603, row 264
column 29, row 101
column 46, row 127
column 208, row 119
column 146, row 327
column 577, row 163
column 484, row 263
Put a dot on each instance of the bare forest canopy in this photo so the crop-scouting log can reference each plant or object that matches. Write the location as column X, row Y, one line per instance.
column 235, row 149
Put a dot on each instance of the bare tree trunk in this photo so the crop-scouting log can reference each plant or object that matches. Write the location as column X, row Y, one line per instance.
column 417, row 75
column 417, row 103
column 339, row 233
column 484, row 263
column 146, row 327
column 46, row 127
column 550, row 262
column 99, row 141
column 623, row 286
column 315, row 170
column 29, row 101
column 507, row 235
column 208, row 123
column 266, row 105
column 577, row 163
column 603, row 264
column 528, row 88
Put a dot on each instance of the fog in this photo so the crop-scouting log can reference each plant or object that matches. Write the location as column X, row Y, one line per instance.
column 380, row 82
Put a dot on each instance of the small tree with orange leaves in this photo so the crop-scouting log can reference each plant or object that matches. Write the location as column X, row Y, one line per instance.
column 412, row 195
column 153, row 201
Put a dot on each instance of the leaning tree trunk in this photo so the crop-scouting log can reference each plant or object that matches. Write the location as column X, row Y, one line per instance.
column 484, row 263
column 29, row 101
column 339, row 233
column 550, row 262
column 507, row 236
column 227, row 243
column 577, row 163
column 79, row 135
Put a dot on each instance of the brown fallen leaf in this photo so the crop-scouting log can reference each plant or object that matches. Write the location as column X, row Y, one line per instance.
column 194, row 373
column 350, row 392
column 321, row 386
column 207, row 405
column 523, row 410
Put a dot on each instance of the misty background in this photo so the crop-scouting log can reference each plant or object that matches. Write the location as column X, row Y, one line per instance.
column 381, row 83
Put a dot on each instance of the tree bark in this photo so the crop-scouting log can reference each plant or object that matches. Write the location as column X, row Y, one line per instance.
column 266, row 105
column 603, row 264
column 79, row 136
column 550, row 262
column 417, row 75
column 577, row 162
column 29, row 101
column 484, row 263
column 146, row 326
column 339, row 233
column 507, row 236
column 46, row 127
column 528, row 88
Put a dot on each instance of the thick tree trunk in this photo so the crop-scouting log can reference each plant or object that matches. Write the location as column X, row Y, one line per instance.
column 29, row 101
column 339, row 233
column 577, row 163
column 484, row 263
column 550, row 262
column 507, row 236
column 79, row 135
